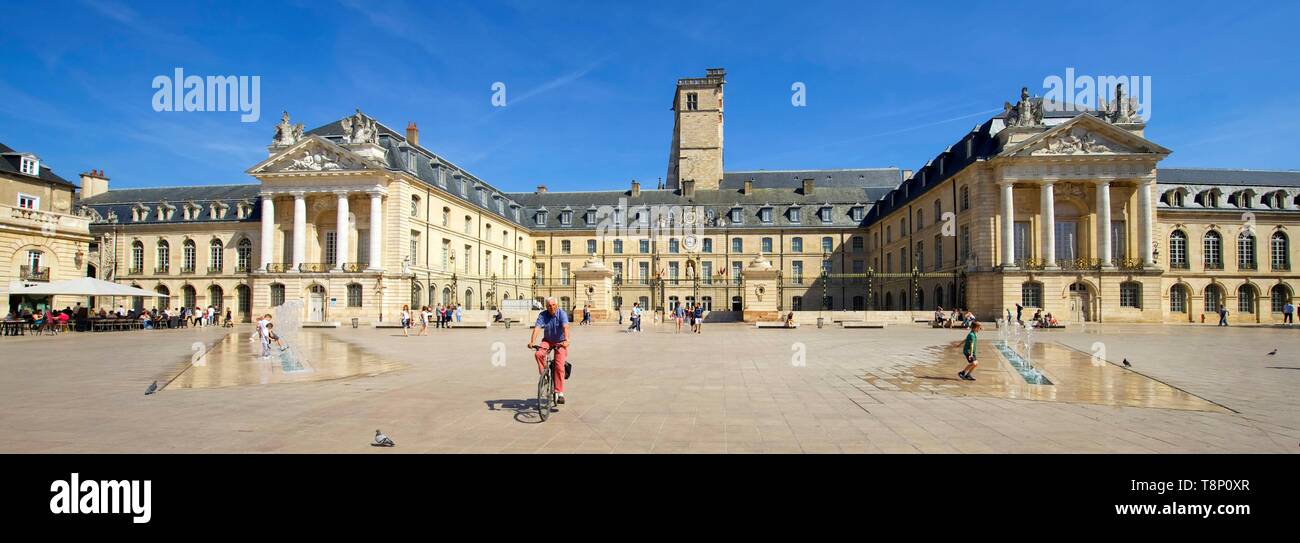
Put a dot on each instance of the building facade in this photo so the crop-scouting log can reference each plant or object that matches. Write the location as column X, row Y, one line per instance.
column 1068, row 213
column 41, row 239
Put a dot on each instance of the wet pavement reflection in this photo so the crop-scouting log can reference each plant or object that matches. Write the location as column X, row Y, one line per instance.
column 1076, row 377
column 236, row 361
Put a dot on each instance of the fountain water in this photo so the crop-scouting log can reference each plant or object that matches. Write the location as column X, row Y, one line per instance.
column 288, row 323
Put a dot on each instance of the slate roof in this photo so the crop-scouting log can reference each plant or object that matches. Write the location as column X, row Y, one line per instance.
column 11, row 163
column 123, row 201
column 978, row 144
column 1215, row 176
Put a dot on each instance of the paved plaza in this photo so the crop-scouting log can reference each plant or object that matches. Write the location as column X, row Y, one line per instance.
column 733, row 389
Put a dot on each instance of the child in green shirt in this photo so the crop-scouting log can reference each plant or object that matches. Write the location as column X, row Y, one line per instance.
column 968, row 350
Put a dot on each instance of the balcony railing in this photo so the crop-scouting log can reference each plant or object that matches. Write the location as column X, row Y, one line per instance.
column 241, row 268
column 1247, row 266
column 277, row 267
column 136, row 271
column 187, row 270
column 214, row 269
column 1179, row 265
column 1127, row 264
column 354, row 267
column 1281, row 266
column 28, row 273
column 313, row 267
column 1029, row 264
column 1212, row 265
column 162, row 270
column 1078, row 264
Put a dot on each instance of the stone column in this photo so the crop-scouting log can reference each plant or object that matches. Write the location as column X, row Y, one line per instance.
column 1008, row 226
column 1145, row 212
column 760, row 294
column 1103, row 223
column 1049, row 223
column 268, row 230
column 299, row 229
column 376, row 230
column 341, row 230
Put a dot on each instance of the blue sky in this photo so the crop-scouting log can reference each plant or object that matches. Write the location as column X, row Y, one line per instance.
column 589, row 85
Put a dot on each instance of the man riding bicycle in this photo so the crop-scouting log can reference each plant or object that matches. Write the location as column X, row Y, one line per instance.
column 553, row 326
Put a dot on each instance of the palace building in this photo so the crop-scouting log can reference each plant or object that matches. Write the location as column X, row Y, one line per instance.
column 1067, row 212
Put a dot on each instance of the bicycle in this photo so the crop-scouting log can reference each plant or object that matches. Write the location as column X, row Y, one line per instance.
column 546, row 386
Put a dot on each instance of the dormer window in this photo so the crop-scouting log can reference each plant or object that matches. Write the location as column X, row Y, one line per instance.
column 765, row 214
column 566, row 218
column 590, row 217
column 857, row 213
column 30, row 165
column 735, row 215
column 541, row 218
column 824, row 214
column 27, row 201
column 795, row 215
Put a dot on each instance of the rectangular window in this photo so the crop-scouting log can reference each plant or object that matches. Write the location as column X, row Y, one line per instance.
column 737, row 245
column 674, row 272
column 591, row 246
column 858, row 214
column 825, row 214
column 445, row 258
column 643, row 272
column 1130, row 295
column 796, row 245
column 765, row 214
column 363, row 247
column 828, row 244
column 965, row 242
column 826, row 266
column 469, row 260
column 736, row 268
column 938, row 252
column 566, row 247
column 331, row 248
column 1118, row 241
column 1031, row 295
column 707, row 245
column 618, row 272
column 794, row 215
column 706, row 272
column 644, row 246
column 541, row 247
column 564, row 273
column 692, row 101
column 618, row 246
column 27, row 201
column 797, row 272
column 674, row 246
column 735, row 215
column 767, row 245
column 1066, row 241
column 1022, row 241
column 857, row 244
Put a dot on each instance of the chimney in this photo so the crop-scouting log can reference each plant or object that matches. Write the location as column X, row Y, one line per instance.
column 807, row 186
column 636, row 189
column 412, row 133
column 688, row 188
column 93, row 183
column 749, row 186
column 541, row 189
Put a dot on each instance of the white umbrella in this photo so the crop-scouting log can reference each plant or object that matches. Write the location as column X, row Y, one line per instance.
column 84, row 286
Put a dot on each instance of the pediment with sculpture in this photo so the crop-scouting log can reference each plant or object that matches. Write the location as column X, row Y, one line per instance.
column 314, row 154
column 1085, row 135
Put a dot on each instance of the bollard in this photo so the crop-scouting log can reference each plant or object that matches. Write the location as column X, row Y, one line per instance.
column 507, row 324
column 355, row 322
column 820, row 321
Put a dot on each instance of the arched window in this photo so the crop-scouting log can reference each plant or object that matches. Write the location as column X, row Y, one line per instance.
column 1031, row 294
column 1130, row 294
column 1213, row 298
column 164, row 296
column 189, row 297
column 216, row 297
column 415, row 294
column 1246, row 299
column 243, row 255
column 859, row 303
column 137, row 256
column 889, row 300
column 164, row 256
column 1178, row 249
column 277, row 294
column 1178, row 299
column 244, row 301
column 469, row 299
column 189, row 254
column 1280, row 296
column 1246, row 251
column 354, row 295
column 446, row 217
column 938, row 295
column 1280, row 252
column 1213, row 251
column 920, row 219
column 415, row 207
column 965, row 198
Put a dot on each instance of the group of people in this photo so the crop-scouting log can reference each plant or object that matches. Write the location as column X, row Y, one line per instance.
column 266, row 335
column 53, row 320
column 441, row 316
column 692, row 314
column 958, row 317
column 586, row 315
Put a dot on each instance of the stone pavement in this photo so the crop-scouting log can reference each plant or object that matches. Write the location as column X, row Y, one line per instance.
column 733, row 389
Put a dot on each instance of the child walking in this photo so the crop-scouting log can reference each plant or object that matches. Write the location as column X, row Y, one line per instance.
column 968, row 350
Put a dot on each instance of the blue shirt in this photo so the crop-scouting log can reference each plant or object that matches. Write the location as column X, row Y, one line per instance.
column 552, row 325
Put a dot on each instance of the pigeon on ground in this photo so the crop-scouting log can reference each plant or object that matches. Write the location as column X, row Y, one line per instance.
column 1126, row 364
column 1273, row 352
column 153, row 387
column 382, row 440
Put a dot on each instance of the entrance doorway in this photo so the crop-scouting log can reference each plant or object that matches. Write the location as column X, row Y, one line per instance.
column 1080, row 302
column 316, row 303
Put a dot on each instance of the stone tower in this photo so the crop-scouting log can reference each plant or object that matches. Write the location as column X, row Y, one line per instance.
column 696, row 153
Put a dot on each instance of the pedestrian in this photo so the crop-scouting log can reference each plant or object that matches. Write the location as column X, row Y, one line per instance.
column 699, row 318
column 1020, row 309
column 459, row 311
column 1223, row 315
column 230, row 321
column 679, row 313
column 406, row 320
column 1288, row 311
column 968, row 350
column 636, row 318
column 424, row 320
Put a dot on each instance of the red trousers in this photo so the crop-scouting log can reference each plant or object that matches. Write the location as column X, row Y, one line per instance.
column 561, row 354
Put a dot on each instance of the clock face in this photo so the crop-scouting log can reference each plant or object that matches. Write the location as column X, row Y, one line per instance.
column 688, row 217
column 690, row 242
